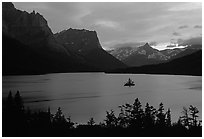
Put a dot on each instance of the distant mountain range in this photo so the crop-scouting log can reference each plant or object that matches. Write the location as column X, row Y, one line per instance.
column 30, row 47
column 187, row 65
column 146, row 55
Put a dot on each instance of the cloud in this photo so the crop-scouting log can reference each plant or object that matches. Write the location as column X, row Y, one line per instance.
column 107, row 24
column 176, row 34
column 182, row 27
column 153, row 43
column 198, row 26
column 187, row 6
column 190, row 41
column 78, row 18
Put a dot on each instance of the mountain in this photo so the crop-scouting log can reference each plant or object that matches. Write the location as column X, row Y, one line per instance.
column 187, row 65
column 171, row 52
column 192, row 41
column 195, row 46
column 86, row 44
column 138, row 56
column 27, row 37
column 180, row 52
column 18, row 58
column 122, row 52
column 29, row 28
column 80, row 41
column 146, row 55
column 30, row 47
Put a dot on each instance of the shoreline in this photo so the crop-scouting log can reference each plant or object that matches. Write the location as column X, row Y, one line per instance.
column 105, row 72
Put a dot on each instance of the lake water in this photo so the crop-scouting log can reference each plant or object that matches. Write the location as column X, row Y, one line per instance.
column 85, row 95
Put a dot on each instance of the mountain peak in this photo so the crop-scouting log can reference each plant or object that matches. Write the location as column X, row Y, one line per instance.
column 147, row 45
column 21, row 24
column 7, row 5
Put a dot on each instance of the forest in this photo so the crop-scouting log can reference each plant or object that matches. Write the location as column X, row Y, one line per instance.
column 132, row 121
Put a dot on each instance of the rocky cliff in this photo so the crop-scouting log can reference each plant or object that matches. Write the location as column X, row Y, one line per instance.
column 86, row 44
column 80, row 41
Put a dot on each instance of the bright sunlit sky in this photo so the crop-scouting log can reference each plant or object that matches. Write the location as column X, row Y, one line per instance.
column 121, row 24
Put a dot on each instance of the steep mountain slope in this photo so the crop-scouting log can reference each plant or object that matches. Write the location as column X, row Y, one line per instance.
column 186, row 65
column 29, row 28
column 87, row 46
column 172, row 52
column 18, row 58
column 139, row 56
column 195, row 46
column 180, row 52
column 30, row 36
column 122, row 52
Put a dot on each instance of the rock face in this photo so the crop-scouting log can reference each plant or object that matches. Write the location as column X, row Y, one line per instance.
column 79, row 41
column 86, row 44
column 29, row 33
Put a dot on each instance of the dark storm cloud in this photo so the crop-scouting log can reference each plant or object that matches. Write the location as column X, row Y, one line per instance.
column 134, row 44
column 197, row 26
column 180, row 41
column 183, row 27
column 171, row 46
column 129, row 44
column 176, row 34
column 190, row 41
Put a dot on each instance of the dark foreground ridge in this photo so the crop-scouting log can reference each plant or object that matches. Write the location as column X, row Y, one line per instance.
column 131, row 121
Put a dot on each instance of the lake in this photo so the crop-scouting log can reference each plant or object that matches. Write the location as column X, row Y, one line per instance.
column 86, row 95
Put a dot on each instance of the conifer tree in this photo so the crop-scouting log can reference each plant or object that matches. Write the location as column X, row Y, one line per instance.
column 111, row 119
column 193, row 112
column 168, row 118
column 149, row 116
column 137, row 114
column 91, row 121
column 19, row 101
column 161, row 116
column 59, row 120
column 185, row 118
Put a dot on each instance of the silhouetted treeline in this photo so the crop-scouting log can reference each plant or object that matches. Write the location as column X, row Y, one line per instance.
column 132, row 120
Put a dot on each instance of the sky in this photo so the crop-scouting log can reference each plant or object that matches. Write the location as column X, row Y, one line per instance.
column 119, row 24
